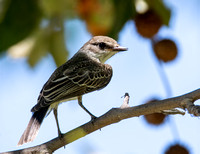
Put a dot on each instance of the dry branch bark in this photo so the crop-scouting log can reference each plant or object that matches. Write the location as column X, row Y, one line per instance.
column 115, row 115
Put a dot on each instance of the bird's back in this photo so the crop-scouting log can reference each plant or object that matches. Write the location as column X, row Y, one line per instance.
column 76, row 77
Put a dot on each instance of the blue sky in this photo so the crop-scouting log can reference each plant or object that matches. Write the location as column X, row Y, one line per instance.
column 135, row 72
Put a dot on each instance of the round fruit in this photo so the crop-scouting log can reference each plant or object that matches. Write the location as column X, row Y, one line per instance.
column 154, row 118
column 165, row 50
column 177, row 149
column 148, row 23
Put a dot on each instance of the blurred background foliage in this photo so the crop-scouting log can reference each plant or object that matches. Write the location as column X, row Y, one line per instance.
column 35, row 28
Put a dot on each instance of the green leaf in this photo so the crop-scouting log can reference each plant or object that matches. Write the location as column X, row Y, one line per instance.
column 4, row 4
column 21, row 17
column 161, row 10
column 39, row 48
column 56, row 44
column 124, row 10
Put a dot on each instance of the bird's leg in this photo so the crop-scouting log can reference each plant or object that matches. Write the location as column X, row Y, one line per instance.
column 83, row 107
column 56, row 117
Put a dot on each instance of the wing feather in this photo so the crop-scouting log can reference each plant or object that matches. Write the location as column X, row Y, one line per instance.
column 70, row 81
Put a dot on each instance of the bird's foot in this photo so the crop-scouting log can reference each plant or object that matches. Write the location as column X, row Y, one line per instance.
column 93, row 118
column 60, row 135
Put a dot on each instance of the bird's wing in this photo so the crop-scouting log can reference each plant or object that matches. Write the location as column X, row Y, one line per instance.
column 72, row 81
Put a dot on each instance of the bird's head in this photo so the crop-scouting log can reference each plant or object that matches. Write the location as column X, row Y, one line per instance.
column 101, row 48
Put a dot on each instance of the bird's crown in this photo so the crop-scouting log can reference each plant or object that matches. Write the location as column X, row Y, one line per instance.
column 101, row 48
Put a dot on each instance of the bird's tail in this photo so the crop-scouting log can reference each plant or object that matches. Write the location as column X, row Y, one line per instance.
column 33, row 126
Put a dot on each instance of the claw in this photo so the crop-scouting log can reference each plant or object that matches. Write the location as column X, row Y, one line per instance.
column 60, row 135
column 93, row 118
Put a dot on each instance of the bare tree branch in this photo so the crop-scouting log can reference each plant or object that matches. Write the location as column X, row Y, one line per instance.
column 115, row 115
column 172, row 111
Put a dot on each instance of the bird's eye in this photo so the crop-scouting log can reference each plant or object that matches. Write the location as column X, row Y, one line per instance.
column 102, row 45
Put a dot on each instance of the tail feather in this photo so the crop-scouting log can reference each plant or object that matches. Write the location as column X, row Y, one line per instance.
column 33, row 126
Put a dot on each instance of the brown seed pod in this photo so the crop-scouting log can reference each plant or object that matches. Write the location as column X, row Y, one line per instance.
column 148, row 23
column 165, row 50
column 177, row 149
column 154, row 118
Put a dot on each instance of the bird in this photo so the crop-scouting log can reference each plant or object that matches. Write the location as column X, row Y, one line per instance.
column 85, row 72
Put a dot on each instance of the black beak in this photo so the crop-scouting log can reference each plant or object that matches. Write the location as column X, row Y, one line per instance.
column 119, row 48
